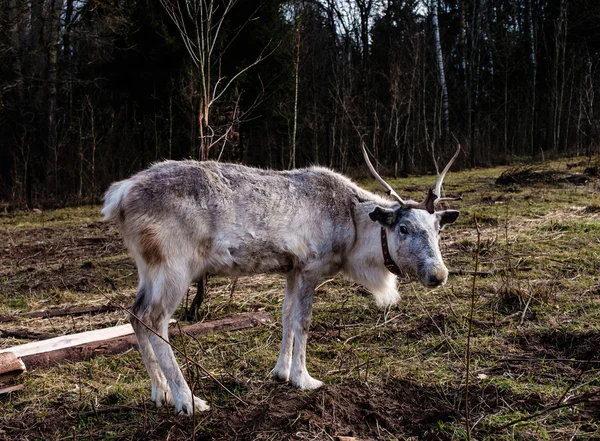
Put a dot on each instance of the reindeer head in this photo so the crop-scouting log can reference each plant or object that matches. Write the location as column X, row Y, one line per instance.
column 410, row 231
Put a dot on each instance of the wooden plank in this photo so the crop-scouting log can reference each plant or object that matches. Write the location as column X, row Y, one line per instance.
column 122, row 344
column 81, row 352
column 10, row 366
column 71, row 340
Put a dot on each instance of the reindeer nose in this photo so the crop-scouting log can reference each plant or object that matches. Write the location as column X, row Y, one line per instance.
column 438, row 278
column 435, row 281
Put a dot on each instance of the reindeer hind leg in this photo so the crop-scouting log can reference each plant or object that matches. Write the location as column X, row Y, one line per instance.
column 164, row 301
column 161, row 394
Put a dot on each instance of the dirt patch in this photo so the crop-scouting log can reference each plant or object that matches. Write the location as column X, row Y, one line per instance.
column 562, row 345
column 431, row 325
column 51, row 245
column 402, row 411
column 579, row 346
column 532, row 175
column 50, row 259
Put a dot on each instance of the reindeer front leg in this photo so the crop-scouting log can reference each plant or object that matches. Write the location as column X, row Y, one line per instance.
column 301, row 316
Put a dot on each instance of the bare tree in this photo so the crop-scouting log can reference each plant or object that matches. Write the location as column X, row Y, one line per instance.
column 200, row 23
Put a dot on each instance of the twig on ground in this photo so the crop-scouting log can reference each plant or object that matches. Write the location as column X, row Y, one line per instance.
column 10, row 389
column 583, row 398
column 324, row 283
column 28, row 257
column 526, row 307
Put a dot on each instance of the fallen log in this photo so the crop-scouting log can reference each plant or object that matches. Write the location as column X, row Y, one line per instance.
column 7, row 318
column 75, row 311
column 10, row 366
column 48, row 353
column 26, row 334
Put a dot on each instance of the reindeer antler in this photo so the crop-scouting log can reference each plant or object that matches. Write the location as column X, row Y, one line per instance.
column 387, row 186
column 433, row 197
column 438, row 184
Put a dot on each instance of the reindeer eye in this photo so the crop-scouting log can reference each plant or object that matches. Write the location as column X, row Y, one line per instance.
column 403, row 229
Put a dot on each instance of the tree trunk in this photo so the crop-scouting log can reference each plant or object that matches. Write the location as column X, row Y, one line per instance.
column 533, row 61
column 53, row 22
column 296, row 80
column 463, row 44
column 440, row 62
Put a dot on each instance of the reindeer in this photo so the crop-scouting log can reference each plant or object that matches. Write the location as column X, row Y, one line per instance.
column 183, row 219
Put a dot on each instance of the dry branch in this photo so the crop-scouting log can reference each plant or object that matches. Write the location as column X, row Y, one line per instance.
column 25, row 333
column 583, row 398
column 122, row 344
column 7, row 318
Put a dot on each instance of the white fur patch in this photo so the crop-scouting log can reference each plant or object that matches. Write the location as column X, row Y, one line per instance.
column 113, row 198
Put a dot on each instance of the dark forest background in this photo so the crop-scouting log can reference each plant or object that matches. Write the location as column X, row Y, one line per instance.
column 93, row 90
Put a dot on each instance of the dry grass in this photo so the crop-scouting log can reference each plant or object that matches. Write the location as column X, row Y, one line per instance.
column 395, row 374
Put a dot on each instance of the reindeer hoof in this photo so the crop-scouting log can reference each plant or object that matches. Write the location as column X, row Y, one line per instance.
column 281, row 374
column 306, row 382
column 187, row 408
column 162, row 397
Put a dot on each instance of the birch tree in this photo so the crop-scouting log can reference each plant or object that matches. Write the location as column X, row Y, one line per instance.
column 440, row 65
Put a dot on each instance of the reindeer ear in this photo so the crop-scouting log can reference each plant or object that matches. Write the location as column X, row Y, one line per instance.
column 447, row 217
column 385, row 216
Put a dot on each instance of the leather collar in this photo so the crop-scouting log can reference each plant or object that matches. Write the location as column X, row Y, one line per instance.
column 387, row 259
